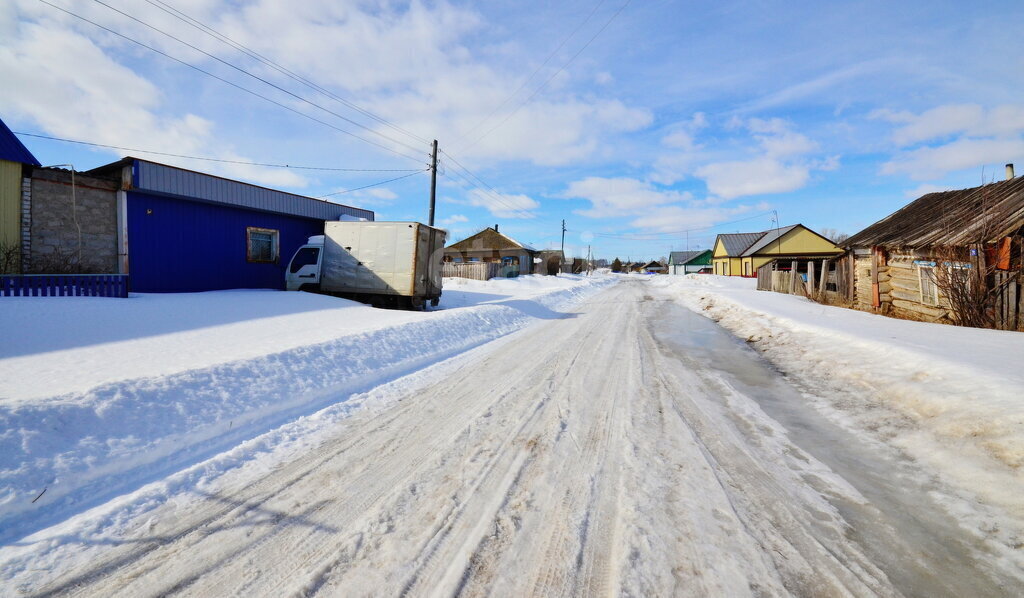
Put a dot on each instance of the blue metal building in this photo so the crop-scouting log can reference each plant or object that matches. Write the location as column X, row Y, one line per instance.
column 183, row 231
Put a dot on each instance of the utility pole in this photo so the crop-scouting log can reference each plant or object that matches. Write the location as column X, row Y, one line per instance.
column 563, row 241
column 433, row 183
column 590, row 261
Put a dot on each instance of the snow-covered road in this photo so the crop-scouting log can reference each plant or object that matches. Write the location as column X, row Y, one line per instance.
column 630, row 447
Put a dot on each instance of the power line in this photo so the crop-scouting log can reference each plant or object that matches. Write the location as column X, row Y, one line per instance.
column 404, row 176
column 548, row 80
column 484, row 187
column 222, row 160
column 534, row 73
column 235, row 85
column 197, row 24
column 256, row 77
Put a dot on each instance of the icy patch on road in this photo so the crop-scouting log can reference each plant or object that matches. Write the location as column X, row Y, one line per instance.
column 171, row 380
column 951, row 398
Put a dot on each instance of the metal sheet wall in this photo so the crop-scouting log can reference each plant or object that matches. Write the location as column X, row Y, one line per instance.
column 183, row 246
column 10, row 203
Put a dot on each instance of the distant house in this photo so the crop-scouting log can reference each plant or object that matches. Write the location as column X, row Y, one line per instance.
column 653, row 267
column 900, row 261
column 689, row 262
column 168, row 228
column 743, row 253
column 491, row 246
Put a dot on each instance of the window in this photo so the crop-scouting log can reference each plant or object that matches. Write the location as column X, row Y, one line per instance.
column 262, row 244
column 929, row 290
column 306, row 256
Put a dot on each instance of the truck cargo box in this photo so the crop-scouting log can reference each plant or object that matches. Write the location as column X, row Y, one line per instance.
column 382, row 258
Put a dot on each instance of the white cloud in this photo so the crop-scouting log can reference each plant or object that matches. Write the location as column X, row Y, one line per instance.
column 778, row 165
column 617, row 197
column 758, row 176
column 604, row 78
column 675, row 218
column 453, row 219
column 929, row 163
column 504, row 205
column 675, row 166
column 953, row 119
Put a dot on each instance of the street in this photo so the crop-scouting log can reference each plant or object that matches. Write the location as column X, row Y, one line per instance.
column 628, row 447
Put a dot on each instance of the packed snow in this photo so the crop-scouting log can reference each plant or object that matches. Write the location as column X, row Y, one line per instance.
column 99, row 395
column 950, row 397
column 536, row 435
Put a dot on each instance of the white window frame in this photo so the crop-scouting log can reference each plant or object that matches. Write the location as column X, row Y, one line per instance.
column 275, row 244
column 933, row 281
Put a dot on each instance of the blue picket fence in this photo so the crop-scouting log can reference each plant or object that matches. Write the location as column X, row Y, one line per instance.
column 64, row 285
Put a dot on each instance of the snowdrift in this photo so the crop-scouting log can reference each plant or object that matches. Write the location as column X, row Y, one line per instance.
column 99, row 396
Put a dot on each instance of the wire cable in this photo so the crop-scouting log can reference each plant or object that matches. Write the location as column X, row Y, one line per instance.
column 197, row 24
column 397, row 178
column 225, row 161
column 533, row 74
column 232, row 84
column 256, row 77
column 484, row 187
column 548, row 80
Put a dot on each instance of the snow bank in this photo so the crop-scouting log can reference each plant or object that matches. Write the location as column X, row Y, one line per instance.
column 98, row 396
column 951, row 397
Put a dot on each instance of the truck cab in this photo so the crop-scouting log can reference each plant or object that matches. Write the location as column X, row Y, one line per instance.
column 303, row 272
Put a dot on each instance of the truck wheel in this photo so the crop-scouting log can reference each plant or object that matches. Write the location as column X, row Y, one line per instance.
column 416, row 303
column 435, row 301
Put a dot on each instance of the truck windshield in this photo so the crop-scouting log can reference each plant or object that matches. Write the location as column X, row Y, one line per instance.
column 305, row 257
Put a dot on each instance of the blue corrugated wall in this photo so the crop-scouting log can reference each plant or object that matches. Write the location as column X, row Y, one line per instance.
column 178, row 246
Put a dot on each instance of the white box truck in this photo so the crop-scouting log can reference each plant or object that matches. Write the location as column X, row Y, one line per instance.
column 386, row 264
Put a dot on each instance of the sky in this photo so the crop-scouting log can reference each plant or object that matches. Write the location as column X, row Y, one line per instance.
column 646, row 126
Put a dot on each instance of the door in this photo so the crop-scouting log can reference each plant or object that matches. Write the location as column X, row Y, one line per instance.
column 304, row 267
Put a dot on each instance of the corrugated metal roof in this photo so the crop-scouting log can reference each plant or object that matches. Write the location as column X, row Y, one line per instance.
column 683, row 257
column 12, row 149
column 160, row 179
column 736, row 243
column 952, row 218
column 767, row 238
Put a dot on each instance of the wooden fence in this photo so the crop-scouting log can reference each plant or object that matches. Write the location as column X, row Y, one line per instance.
column 827, row 279
column 473, row 270
column 1009, row 301
column 64, row 285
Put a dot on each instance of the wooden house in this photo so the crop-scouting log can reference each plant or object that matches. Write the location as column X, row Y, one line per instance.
column 689, row 262
column 901, row 261
column 653, row 267
column 741, row 254
column 490, row 246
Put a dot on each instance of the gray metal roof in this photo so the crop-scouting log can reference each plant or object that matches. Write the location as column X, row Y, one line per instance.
column 737, row 243
column 767, row 238
column 160, row 179
column 682, row 257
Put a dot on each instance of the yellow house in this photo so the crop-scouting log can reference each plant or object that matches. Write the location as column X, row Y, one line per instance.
column 742, row 254
column 727, row 255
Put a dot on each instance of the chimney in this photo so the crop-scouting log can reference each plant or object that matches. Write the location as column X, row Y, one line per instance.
column 1009, row 168
column 1009, row 171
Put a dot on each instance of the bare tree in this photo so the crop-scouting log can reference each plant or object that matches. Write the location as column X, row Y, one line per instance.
column 10, row 258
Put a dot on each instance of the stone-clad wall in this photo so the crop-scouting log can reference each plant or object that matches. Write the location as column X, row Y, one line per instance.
column 54, row 236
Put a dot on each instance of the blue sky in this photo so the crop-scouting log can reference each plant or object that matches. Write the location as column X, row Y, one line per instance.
column 633, row 122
